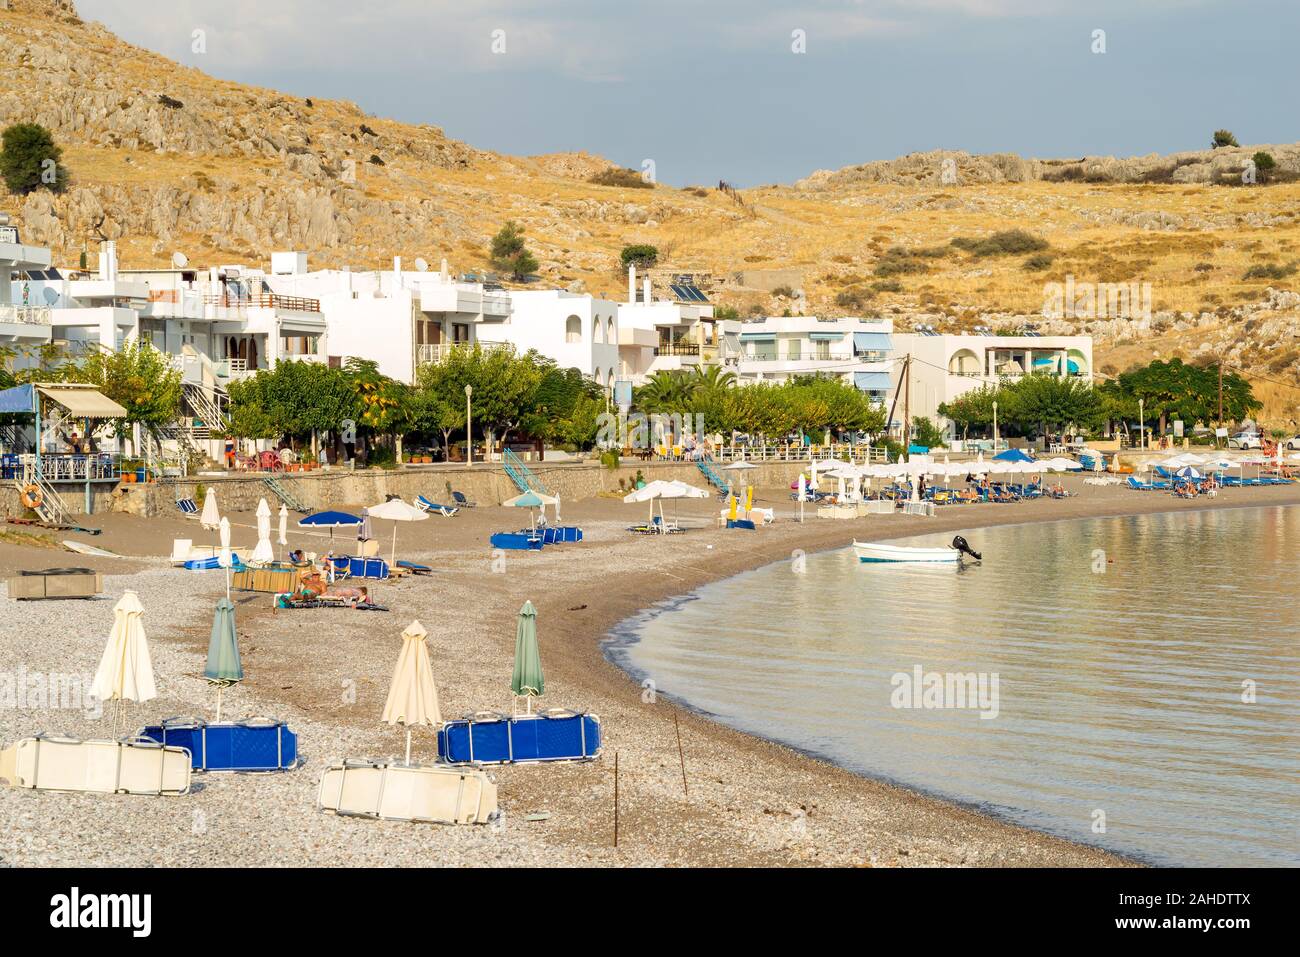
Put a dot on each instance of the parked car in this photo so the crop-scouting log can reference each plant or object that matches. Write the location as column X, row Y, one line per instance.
column 1244, row 440
column 1292, row 443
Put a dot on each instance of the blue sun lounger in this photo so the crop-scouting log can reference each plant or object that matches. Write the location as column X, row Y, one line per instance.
column 425, row 505
column 353, row 567
column 187, row 506
column 490, row 738
column 208, row 564
column 259, row 744
column 517, row 541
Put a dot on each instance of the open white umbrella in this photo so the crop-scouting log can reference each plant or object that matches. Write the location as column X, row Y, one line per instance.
column 263, row 554
column 125, row 670
column 211, row 517
column 659, row 490
column 397, row 511
column 413, row 696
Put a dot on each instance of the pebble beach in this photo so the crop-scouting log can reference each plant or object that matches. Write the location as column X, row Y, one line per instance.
column 744, row 801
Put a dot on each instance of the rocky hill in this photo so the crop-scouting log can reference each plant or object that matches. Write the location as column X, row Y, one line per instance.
column 163, row 158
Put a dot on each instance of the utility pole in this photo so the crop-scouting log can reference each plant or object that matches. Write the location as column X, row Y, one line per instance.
column 1220, row 422
column 907, row 406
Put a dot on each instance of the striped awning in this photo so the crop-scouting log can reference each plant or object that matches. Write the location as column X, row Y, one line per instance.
column 872, row 381
column 873, row 342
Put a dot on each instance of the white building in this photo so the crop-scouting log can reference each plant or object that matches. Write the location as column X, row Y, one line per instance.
column 399, row 319
column 24, row 310
column 578, row 331
column 944, row 367
column 665, row 335
column 778, row 348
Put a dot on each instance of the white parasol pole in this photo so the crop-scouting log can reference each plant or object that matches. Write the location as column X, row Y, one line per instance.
column 408, row 747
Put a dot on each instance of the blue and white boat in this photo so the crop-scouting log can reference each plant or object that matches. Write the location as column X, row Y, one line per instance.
column 873, row 552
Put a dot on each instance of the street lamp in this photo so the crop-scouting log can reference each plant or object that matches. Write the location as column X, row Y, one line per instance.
column 1142, row 424
column 469, row 425
column 995, row 427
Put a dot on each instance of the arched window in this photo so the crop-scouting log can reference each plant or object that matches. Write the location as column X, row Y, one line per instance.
column 573, row 329
column 598, row 329
column 964, row 362
column 598, row 382
column 611, row 333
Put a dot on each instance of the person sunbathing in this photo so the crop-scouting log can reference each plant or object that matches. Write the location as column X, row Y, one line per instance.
column 354, row 596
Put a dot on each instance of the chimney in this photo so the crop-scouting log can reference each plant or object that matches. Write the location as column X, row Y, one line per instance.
column 631, row 285
column 445, row 276
column 108, row 261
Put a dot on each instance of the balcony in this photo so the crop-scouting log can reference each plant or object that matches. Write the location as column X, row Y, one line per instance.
column 264, row 301
column 26, row 315
column 678, row 349
column 435, row 353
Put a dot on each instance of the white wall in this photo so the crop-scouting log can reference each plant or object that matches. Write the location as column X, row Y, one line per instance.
column 541, row 320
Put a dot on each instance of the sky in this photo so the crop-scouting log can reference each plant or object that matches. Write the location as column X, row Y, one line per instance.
column 753, row 91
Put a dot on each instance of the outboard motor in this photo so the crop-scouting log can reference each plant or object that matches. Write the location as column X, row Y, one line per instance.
column 963, row 546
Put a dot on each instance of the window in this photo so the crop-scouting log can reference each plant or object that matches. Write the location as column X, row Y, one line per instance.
column 573, row 329
column 792, row 349
column 611, row 333
column 821, row 350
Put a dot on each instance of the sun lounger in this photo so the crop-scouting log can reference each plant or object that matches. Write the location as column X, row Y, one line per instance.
column 415, row 569
column 288, row 602
column 517, row 541
column 258, row 744
column 54, row 763
column 490, row 738
column 208, row 564
column 395, row 792
column 741, row 523
column 425, row 505
column 349, row 566
column 462, row 501
column 188, row 507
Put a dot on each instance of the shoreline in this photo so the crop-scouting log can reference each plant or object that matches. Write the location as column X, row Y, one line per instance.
column 751, row 801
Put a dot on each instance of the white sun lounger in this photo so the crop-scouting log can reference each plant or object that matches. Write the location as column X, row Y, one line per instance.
column 397, row 792
column 129, row 766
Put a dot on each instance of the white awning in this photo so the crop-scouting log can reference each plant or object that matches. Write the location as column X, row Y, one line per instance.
column 83, row 403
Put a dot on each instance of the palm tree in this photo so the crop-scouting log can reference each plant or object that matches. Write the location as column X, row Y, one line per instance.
column 666, row 391
column 712, row 378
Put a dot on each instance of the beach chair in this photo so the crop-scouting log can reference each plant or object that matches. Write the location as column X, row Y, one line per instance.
column 1138, row 484
column 415, row 569
column 425, row 505
column 189, row 508
column 461, row 501
column 1003, row 493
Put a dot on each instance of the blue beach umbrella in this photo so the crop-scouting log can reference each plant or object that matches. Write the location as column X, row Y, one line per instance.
column 1013, row 455
column 330, row 520
column 1188, row 472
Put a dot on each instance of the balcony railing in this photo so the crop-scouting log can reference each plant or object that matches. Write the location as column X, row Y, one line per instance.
column 678, row 349
column 265, row 301
column 26, row 315
column 438, row 352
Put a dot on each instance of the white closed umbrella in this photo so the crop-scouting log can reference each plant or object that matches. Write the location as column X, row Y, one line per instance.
column 211, row 517
column 557, row 508
column 397, row 511
column 412, row 696
column 263, row 554
column 284, row 528
column 125, row 671
column 224, row 558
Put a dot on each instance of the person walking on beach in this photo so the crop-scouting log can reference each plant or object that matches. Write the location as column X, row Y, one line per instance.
column 230, row 453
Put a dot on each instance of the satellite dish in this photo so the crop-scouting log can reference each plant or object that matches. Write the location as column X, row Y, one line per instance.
column 180, row 260
column 50, row 296
column 422, row 265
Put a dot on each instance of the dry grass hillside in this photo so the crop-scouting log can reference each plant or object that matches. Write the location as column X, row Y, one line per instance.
column 166, row 158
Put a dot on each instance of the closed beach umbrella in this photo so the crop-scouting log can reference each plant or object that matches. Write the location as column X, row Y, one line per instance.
column 284, row 528
column 527, row 680
column 223, row 668
column 557, row 508
column 412, row 697
column 364, row 531
column 211, row 518
column 224, row 558
column 397, row 511
column 125, row 670
column 263, row 554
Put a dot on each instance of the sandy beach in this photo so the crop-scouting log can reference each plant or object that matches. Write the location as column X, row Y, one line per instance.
column 750, row 802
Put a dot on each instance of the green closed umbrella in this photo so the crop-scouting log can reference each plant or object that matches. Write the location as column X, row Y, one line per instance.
column 223, row 668
column 527, row 681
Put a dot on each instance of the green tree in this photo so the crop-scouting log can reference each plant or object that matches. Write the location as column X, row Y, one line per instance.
column 1045, row 402
column 641, row 255
column 137, row 377
column 973, row 409
column 925, row 432
column 1223, row 138
column 31, row 160
column 509, row 254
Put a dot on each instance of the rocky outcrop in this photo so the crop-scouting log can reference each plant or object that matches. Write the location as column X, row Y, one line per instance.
column 957, row 168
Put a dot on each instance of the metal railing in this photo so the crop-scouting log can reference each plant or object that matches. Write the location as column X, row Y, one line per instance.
column 264, row 300
column 438, row 352
column 678, row 349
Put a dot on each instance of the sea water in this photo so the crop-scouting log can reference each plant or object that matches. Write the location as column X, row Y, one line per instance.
column 1128, row 682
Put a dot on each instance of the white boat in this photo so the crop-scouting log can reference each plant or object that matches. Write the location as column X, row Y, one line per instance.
column 872, row 552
